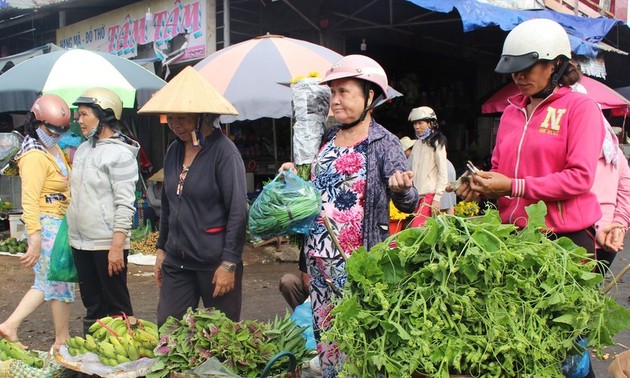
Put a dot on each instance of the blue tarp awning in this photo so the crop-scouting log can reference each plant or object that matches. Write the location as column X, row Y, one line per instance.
column 584, row 32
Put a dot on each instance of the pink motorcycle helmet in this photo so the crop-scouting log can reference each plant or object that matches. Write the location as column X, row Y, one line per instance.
column 359, row 67
column 53, row 111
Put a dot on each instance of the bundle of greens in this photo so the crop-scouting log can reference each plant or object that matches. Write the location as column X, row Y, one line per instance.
column 287, row 205
column 244, row 347
column 474, row 297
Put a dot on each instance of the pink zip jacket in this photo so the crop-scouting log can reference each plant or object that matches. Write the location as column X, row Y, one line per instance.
column 612, row 186
column 551, row 157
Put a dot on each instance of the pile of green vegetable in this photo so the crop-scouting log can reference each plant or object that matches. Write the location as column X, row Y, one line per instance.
column 244, row 347
column 286, row 206
column 12, row 245
column 474, row 297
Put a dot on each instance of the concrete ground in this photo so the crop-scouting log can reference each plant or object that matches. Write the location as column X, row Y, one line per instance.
column 620, row 293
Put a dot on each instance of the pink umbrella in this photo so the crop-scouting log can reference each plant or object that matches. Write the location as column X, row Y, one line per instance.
column 607, row 97
column 252, row 74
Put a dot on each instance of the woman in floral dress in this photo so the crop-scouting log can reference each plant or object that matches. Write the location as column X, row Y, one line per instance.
column 359, row 168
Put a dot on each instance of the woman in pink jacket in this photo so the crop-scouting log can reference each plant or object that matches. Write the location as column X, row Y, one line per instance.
column 548, row 143
column 612, row 186
column 549, row 138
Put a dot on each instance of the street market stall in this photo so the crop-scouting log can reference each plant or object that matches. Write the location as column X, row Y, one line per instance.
column 473, row 297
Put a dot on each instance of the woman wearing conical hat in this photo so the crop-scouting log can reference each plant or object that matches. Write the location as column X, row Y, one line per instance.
column 204, row 202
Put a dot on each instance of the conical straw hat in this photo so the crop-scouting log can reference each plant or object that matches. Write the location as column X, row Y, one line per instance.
column 157, row 176
column 188, row 92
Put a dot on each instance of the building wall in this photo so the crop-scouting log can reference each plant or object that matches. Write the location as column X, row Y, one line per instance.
column 184, row 30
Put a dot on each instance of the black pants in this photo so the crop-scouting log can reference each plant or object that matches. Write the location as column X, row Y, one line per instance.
column 101, row 294
column 182, row 288
column 606, row 258
column 584, row 238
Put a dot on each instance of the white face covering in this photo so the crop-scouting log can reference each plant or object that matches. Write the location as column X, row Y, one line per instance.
column 47, row 140
column 93, row 131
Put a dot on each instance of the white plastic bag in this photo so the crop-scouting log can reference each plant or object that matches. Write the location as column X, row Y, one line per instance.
column 10, row 144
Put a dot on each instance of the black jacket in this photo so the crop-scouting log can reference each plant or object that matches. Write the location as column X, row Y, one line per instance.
column 206, row 223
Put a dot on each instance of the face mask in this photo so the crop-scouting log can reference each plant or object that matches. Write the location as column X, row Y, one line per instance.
column 92, row 132
column 47, row 140
column 426, row 133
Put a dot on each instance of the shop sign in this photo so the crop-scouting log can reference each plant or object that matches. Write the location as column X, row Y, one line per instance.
column 122, row 31
column 28, row 4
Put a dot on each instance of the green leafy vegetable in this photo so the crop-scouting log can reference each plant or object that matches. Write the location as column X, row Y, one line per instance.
column 471, row 297
column 242, row 347
column 287, row 205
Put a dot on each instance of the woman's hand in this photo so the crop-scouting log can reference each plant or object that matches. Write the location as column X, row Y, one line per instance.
column 115, row 260
column 288, row 165
column 488, row 184
column 30, row 258
column 466, row 193
column 610, row 237
column 116, row 255
column 400, row 182
column 223, row 281
column 435, row 207
column 157, row 268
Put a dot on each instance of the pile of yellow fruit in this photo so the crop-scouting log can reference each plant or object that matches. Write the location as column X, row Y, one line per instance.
column 145, row 246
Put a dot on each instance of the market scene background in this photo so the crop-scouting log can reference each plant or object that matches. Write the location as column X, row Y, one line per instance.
column 436, row 53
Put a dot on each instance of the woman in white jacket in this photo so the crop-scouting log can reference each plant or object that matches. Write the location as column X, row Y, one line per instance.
column 103, row 184
column 428, row 163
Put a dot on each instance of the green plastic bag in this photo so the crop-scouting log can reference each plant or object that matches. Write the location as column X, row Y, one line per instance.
column 61, row 261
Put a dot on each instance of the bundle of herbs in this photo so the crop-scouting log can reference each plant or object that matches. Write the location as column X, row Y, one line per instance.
column 473, row 297
column 286, row 206
column 244, row 347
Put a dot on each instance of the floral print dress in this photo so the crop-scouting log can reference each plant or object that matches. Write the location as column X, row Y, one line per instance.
column 61, row 291
column 340, row 175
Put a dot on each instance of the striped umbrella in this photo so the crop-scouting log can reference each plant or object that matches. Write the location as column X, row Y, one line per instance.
column 68, row 73
column 253, row 75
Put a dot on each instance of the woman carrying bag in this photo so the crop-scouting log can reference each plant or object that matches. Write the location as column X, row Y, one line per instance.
column 44, row 172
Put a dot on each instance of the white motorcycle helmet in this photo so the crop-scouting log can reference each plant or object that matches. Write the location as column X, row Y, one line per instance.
column 531, row 41
column 422, row 113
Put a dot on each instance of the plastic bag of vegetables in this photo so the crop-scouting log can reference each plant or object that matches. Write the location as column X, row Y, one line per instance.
column 287, row 205
column 10, row 144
